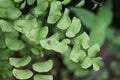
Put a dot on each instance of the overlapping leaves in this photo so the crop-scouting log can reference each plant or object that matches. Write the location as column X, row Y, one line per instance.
column 32, row 31
column 26, row 74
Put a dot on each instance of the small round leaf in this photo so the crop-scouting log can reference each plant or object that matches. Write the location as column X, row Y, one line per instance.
column 43, row 77
column 43, row 66
column 22, row 74
column 74, row 28
column 14, row 44
column 87, row 62
column 19, row 62
column 65, row 21
column 93, row 50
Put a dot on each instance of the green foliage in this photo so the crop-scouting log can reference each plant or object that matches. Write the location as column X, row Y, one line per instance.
column 83, row 40
column 41, row 7
column 55, row 12
column 65, row 2
column 87, row 62
column 43, row 66
column 93, row 50
column 43, row 77
column 19, row 62
column 81, row 3
column 22, row 74
column 4, row 69
column 7, row 9
column 36, row 51
column 98, row 24
column 87, row 17
column 34, row 33
column 52, row 43
column 76, row 54
column 14, row 44
column 5, row 53
column 65, row 21
column 6, row 26
column 74, row 28
column 30, row 2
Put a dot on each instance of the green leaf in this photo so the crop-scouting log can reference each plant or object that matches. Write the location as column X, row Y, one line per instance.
column 43, row 77
column 2, row 40
column 6, row 3
column 30, row 24
column 41, row 6
column 6, row 26
column 93, row 50
column 13, row 13
column 87, row 17
column 23, row 25
column 22, row 74
column 4, row 65
column 77, row 54
column 30, row 29
column 5, row 74
column 82, row 55
column 97, row 35
column 51, row 42
column 36, row 51
column 74, row 50
column 22, row 6
column 95, row 5
column 83, row 40
column 81, row 3
column 74, row 27
column 2, row 13
column 99, row 30
column 33, row 35
column 86, row 63
column 43, row 32
column 2, row 43
column 62, row 46
column 97, row 63
column 14, row 44
column 5, row 53
column 55, row 12
column 20, row 24
column 72, row 66
column 11, row 35
column 43, row 66
column 20, row 62
column 5, row 69
column 96, row 67
column 65, row 2
column 30, row 2
column 65, row 21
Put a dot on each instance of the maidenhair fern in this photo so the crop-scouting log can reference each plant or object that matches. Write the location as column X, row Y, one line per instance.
column 38, row 31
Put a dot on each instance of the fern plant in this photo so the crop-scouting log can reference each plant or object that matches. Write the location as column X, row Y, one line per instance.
column 32, row 29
